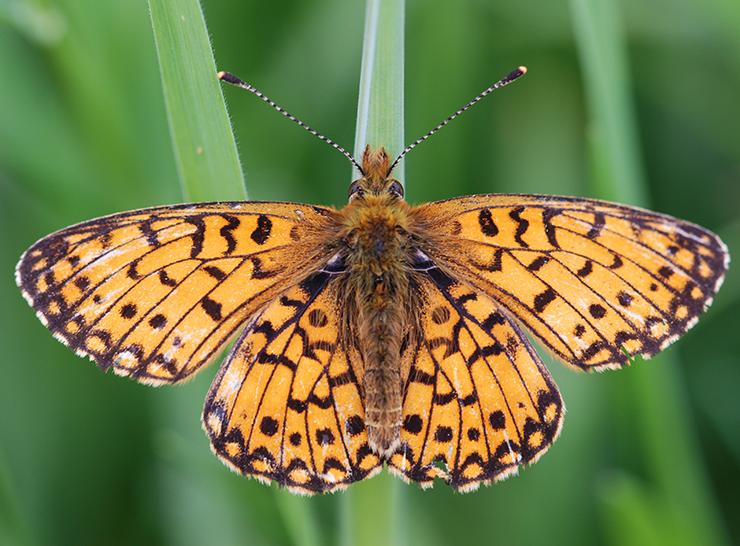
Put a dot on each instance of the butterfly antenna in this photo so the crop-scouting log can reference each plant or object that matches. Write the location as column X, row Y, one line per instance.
column 513, row 75
column 233, row 80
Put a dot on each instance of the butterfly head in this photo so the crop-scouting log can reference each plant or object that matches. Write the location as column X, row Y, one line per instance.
column 376, row 179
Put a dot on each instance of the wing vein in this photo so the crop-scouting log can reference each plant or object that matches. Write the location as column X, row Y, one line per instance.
column 488, row 365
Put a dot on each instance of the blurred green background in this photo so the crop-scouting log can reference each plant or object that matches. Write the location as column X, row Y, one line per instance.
column 648, row 455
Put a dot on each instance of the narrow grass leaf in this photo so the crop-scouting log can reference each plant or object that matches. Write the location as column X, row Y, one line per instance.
column 204, row 146
column 659, row 417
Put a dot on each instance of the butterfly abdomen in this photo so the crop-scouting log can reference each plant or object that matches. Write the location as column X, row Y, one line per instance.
column 378, row 294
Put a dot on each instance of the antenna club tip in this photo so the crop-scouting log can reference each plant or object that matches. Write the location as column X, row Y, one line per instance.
column 518, row 72
column 228, row 77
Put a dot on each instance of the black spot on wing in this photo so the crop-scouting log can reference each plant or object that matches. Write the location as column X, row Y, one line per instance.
column 262, row 232
column 442, row 280
column 226, row 232
column 521, row 227
column 412, row 424
column 146, row 230
column 258, row 272
column 487, row 225
column 598, row 225
column 442, row 399
column 165, row 279
column 542, row 299
column 497, row 420
column 550, row 233
column 215, row 272
column 324, row 437
column 624, row 299
column 354, row 425
column 269, row 426
column 537, row 263
column 198, row 235
column 597, row 311
column 443, row 434
column 212, row 308
column 586, row 270
column 492, row 320
column 131, row 272
column 158, row 321
column 128, row 311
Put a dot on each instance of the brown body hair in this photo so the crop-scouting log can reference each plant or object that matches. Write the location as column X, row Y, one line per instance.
column 377, row 234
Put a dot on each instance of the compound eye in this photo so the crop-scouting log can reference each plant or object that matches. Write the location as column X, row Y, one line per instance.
column 396, row 188
column 355, row 190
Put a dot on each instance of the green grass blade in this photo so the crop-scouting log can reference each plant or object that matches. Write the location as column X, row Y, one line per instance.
column 629, row 516
column 372, row 511
column 205, row 150
column 665, row 441
column 299, row 518
column 380, row 105
column 613, row 134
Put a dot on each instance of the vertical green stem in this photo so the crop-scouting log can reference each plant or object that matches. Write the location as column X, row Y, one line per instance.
column 380, row 105
column 682, row 509
column 612, row 124
column 372, row 511
column 299, row 518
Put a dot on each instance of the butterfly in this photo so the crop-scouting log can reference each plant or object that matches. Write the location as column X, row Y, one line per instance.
column 380, row 334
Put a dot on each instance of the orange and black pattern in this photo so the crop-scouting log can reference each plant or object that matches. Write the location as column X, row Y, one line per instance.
column 478, row 402
column 156, row 294
column 286, row 406
column 596, row 282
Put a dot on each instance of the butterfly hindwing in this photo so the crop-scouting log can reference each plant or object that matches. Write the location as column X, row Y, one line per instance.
column 596, row 282
column 286, row 405
column 478, row 401
column 155, row 293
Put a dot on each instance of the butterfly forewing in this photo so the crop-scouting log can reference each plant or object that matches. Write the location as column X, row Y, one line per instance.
column 478, row 400
column 286, row 406
column 596, row 282
column 156, row 293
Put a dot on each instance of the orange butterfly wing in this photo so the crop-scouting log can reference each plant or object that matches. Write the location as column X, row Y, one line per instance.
column 156, row 293
column 286, row 405
column 478, row 401
column 596, row 282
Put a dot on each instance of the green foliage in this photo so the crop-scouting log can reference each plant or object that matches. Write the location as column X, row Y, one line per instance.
column 664, row 509
column 635, row 101
column 380, row 105
column 204, row 147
